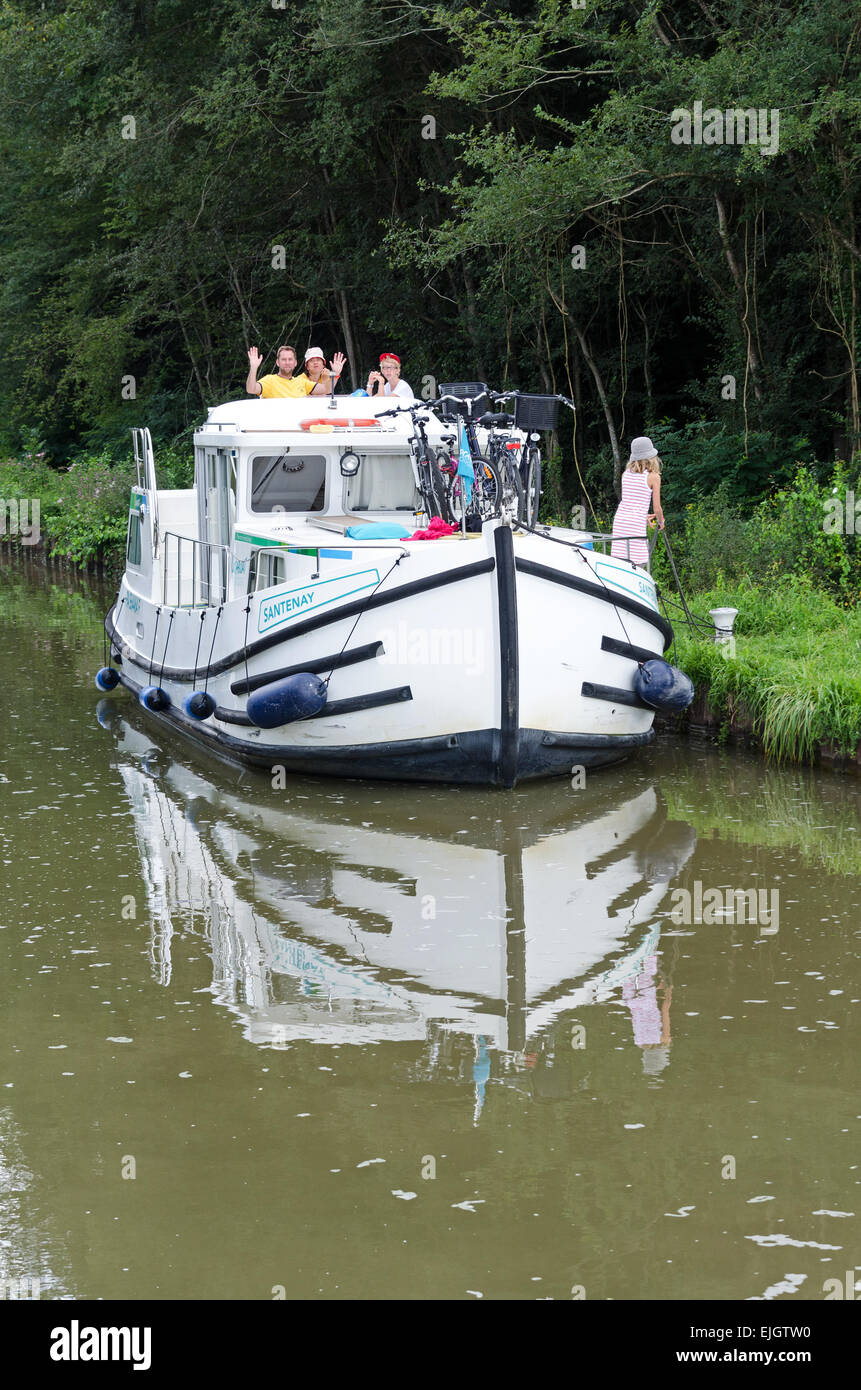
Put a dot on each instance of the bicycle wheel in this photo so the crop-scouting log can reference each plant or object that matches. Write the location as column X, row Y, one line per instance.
column 512, row 487
column 481, row 496
column 433, row 487
column 531, row 470
column 487, row 489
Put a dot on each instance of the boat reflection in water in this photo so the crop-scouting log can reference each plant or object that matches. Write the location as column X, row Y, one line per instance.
column 369, row 915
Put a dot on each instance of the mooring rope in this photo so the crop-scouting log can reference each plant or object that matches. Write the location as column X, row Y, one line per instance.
column 164, row 653
column 361, row 613
column 212, row 648
column 197, row 649
column 694, row 622
column 154, row 636
column 245, row 638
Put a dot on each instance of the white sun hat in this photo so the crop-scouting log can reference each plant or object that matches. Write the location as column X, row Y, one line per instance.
column 642, row 448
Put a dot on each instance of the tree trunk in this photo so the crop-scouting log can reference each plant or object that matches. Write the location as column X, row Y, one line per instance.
column 605, row 405
column 349, row 340
column 740, row 282
column 472, row 320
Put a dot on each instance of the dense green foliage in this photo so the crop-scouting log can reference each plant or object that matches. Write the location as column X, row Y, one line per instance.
column 788, row 533
column 307, row 127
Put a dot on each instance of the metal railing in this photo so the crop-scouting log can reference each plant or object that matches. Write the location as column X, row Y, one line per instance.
column 606, row 538
column 198, row 576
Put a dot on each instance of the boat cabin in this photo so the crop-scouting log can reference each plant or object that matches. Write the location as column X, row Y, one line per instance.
column 271, row 477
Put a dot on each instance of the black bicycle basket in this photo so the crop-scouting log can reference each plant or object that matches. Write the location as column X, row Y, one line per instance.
column 474, row 391
column 535, row 413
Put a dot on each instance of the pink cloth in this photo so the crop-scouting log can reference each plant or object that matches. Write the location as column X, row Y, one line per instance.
column 630, row 518
column 436, row 528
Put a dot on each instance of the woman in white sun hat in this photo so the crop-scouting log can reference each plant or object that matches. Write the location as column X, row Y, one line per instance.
column 641, row 490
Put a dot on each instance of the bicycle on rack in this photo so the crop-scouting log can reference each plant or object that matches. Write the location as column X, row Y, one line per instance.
column 481, row 496
column 514, row 462
column 504, row 450
column 431, row 482
column 531, row 414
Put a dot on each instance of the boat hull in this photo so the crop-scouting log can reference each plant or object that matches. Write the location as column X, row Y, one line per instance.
column 472, row 758
column 534, row 678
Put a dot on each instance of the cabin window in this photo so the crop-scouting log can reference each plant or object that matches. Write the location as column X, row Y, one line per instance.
column 384, row 483
column 133, row 548
column 267, row 568
column 290, row 482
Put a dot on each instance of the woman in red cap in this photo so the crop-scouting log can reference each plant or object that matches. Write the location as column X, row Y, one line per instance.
column 387, row 381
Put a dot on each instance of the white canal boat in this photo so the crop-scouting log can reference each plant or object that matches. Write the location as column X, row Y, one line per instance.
column 277, row 613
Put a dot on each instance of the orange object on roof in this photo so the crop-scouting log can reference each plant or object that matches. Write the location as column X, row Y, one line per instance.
column 341, row 422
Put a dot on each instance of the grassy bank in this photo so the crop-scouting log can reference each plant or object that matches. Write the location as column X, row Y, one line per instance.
column 791, row 565
column 793, row 680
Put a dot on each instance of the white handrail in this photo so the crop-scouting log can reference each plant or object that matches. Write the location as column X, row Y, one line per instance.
column 145, row 468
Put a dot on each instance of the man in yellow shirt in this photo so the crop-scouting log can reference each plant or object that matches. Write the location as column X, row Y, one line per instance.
column 282, row 384
column 316, row 380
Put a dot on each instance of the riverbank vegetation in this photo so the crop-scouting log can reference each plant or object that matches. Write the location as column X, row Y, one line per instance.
column 792, row 679
column 791, row 566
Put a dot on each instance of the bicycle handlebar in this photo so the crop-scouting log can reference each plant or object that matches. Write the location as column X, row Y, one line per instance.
column 493, row 395
column 510, row 395
column 419, row 405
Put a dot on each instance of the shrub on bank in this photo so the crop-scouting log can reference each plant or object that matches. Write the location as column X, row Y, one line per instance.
column 84, row 508
column 784, row 534
column 92, row 516
column 83, row 511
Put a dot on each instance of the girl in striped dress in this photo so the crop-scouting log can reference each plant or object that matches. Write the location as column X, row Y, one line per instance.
column 641, row 489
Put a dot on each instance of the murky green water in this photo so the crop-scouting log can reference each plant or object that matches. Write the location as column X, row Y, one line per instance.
column 384, row 1042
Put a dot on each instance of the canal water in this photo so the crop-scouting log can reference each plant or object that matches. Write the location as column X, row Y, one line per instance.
column 347, row 1040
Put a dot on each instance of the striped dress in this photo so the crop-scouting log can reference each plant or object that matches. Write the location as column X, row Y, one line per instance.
column 630, row 518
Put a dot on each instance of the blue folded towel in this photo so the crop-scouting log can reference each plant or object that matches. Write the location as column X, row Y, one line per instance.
column 378, row 531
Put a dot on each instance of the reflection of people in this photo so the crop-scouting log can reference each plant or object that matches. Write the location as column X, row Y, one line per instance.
column 387, row 381
column 641, row 489
column 651, row 1020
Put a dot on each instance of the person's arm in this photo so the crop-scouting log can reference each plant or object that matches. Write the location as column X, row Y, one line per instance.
column 252, row 385
column 324, row 386
column 655, row 485
column 375, row 379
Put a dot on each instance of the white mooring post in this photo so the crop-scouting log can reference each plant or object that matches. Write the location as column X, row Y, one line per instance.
column 723, row 619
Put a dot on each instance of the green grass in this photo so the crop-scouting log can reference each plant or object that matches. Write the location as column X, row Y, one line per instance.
column 796, row 673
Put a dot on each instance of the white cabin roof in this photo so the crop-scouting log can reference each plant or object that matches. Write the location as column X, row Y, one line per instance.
column 256, row 416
